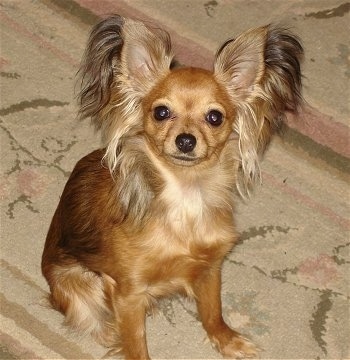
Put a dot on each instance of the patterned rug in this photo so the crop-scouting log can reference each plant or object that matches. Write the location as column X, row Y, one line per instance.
column 285, row 285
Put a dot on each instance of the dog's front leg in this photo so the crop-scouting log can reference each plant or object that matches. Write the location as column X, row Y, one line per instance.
column 208, row 297
column 130, row 314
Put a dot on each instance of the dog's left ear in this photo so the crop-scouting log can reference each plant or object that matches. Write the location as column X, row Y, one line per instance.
column 240, row 63
column 261, row 72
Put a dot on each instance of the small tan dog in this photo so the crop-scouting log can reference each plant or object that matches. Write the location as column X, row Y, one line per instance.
column 151, row 214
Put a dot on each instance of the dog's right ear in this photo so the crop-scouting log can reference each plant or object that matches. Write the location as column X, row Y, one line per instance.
column 96, row 70
column 124, row 58
column 146, row 57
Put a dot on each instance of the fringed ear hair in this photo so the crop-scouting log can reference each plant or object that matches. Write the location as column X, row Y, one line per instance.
column 124, row 59
column 261, row 72
column 145, row 58
column 96, row 70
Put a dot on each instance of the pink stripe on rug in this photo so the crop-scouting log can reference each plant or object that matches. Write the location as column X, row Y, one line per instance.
column 39, row 40
column 3, row 62
column 308, row 201
column 323, row 129
column 16, row 348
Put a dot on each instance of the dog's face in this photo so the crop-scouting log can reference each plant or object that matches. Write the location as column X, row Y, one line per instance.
column 187, row 114
column 188, row 117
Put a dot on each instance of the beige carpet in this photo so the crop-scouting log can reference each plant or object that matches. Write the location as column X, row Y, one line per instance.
column 286, row 284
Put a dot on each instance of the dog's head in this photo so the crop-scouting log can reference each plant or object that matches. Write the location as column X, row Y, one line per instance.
column 188, row 117
column 130, row 88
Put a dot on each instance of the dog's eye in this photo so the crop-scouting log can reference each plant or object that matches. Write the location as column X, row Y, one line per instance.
column 161, row 113
column 214, row 117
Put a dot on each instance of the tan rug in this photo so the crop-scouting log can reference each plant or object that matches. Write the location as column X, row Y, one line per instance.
column 286, row 284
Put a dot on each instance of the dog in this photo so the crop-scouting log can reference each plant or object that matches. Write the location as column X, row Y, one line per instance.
column 150, row 214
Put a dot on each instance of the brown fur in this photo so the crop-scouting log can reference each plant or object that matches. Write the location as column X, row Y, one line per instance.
column 158, row 219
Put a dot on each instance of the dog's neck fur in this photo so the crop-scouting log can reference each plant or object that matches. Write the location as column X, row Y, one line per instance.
column 186, row 195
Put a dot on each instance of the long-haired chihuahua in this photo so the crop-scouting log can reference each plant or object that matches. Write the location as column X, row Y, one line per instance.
column 151, row 214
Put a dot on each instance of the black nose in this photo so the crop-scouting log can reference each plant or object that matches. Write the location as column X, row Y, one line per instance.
column 185, row 142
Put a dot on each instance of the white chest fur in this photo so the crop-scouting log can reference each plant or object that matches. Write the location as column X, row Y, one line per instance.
column 184, row 200
column 196, row 203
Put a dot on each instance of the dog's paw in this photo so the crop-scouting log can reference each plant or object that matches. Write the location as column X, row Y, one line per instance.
column 236, row 348
column 239, row 348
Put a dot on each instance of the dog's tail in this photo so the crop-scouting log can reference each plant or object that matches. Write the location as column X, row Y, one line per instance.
column 83, row 296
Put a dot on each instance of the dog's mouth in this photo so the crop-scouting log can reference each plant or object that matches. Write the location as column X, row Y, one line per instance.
column 184, row 160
